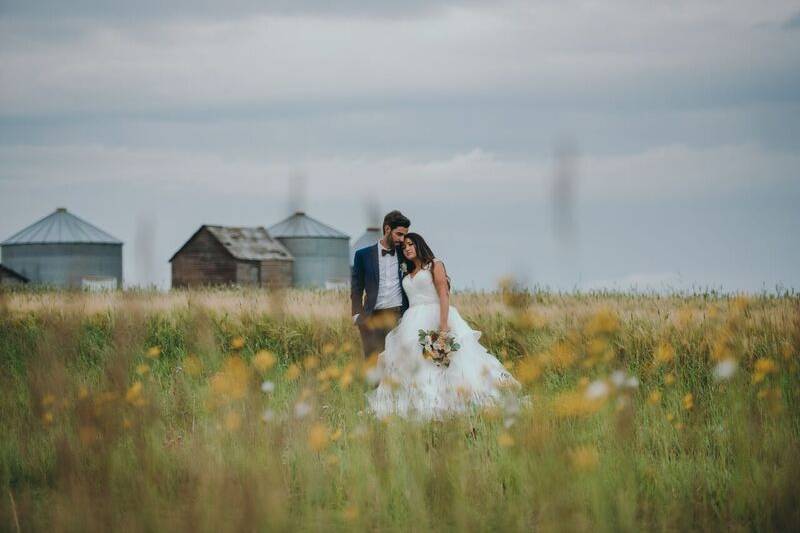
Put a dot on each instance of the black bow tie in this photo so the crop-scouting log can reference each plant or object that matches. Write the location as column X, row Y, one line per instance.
column 384, row 252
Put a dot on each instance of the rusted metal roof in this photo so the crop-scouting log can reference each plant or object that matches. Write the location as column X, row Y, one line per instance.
column 251, row 244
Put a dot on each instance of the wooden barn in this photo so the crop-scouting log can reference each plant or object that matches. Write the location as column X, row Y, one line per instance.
column 10, row 277
column 217, row 255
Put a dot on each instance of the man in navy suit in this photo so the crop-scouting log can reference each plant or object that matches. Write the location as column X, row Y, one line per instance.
column 377, row 272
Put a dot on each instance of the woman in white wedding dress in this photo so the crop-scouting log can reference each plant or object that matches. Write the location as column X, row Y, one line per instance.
column 412, row 386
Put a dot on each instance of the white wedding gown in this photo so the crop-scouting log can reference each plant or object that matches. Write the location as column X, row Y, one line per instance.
column 414, row 387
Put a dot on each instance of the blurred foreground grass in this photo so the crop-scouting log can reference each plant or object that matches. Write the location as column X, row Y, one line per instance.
column 225, row 410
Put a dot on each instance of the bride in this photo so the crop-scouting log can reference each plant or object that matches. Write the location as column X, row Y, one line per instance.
column 411, row 385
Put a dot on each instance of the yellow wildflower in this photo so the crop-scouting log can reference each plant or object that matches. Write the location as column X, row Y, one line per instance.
column 528, row 370
column 654, row 398
column 584, row 458
column 231, row 382
column 688, row 401
column 293, row 372
column 153, row 352
column 346, row 379
column 237, row 343
column 562, row 356
column 599, row 348
column 318, row 438
column 142, row 369
column 505, row 440
column 311, row 362
column 664, row 354
column 604, row 322
column 264, row 360
column 134, row 394
column 576, row 404
column 763, row 367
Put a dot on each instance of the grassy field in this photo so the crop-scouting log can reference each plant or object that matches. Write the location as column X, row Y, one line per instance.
column 228, row 410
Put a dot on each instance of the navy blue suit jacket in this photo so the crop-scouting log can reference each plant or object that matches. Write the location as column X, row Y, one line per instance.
column 365, row 278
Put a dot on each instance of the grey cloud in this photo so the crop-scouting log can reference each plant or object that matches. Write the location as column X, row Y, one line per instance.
column 125, row 12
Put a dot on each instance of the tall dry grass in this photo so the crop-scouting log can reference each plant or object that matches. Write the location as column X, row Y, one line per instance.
column 224, row 410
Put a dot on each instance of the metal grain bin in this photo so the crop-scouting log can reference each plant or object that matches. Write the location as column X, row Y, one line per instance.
column 63, row 250
column 371, row 236
column 321, row 253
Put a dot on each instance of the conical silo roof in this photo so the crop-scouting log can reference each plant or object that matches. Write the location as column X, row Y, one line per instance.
column 301, row 225
column 370, row 237
column 61, row 227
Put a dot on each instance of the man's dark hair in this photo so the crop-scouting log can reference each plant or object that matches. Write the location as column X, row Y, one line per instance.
column 395, row 219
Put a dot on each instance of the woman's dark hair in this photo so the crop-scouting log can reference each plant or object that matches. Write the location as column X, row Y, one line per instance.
column 395, row 219
column 424, row 253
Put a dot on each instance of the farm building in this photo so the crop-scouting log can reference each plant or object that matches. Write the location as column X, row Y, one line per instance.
column 9, row 277
column 320, row 252
column 217, row 255
column 371, row 236
column 63, row 250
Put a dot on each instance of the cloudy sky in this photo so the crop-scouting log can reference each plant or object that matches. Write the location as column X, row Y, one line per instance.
column 575, row 144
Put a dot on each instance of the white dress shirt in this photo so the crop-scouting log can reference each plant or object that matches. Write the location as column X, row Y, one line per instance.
column 389, row 291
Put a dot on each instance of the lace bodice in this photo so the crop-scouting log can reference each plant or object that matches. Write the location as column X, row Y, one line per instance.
column 420, row 288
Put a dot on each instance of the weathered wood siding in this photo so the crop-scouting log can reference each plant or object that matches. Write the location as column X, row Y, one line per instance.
column 276, row 273
column 247, row 273
column 203, row 261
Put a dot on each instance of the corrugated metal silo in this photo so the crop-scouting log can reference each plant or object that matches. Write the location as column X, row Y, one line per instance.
column 371, row 236
column 320, row 251
column 65, row 251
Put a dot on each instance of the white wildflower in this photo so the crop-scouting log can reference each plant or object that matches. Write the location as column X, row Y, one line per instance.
column 632, row 382
column 618, row 378
column 597, row 389
column 268, row 415
column 301, row 409
column 267, row 387
column 725, row 370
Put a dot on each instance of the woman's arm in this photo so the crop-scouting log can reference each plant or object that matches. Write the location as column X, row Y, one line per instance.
column 442, row 289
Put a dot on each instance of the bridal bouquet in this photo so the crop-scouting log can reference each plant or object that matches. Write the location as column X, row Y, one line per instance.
column 437, row 347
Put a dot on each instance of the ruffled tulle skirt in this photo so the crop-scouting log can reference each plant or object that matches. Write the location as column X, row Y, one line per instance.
column 414, row 387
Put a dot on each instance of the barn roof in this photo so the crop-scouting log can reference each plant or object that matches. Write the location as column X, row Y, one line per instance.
column 61, row 227
column 302, row 225
column 248, row 244
column 13, row 273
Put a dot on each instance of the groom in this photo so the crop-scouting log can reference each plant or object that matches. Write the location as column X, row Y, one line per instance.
column 376, row 271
